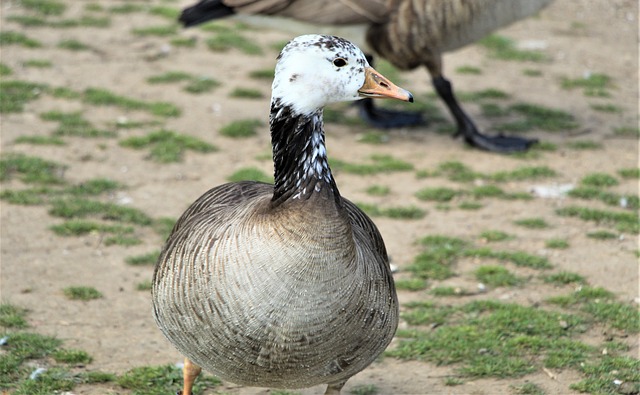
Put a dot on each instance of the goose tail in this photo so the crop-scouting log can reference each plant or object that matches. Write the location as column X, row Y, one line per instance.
column 204, row 11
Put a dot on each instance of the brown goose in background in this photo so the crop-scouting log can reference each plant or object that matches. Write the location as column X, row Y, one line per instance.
column 284, row 285
column 408, row 33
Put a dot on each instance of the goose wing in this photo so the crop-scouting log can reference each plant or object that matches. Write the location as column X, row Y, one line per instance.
column 334, row 12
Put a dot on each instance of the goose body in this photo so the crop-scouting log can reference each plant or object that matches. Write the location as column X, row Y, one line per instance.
column 284, row 285
column 408, row 33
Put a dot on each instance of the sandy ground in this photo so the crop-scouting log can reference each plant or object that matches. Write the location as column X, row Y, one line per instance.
column 579, row 36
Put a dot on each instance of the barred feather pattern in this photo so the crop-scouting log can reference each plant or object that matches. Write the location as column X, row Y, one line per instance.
column 265, row 289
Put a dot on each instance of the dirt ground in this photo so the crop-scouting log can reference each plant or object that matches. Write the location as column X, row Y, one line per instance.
column 579, row 36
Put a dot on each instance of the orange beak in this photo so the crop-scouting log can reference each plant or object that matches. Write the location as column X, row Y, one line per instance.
column 377, row 85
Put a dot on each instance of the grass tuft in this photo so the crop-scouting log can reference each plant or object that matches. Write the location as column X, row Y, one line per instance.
column 16, row 38
column 12, row 316
column 504, row 48
column 167, row 146
column 496, row 276
column 241, row 129
column 250, row 174
column 82, row 293
column 31, row 169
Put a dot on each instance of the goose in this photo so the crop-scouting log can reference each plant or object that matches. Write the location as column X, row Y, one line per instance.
column 285, row 285
column 407, row 33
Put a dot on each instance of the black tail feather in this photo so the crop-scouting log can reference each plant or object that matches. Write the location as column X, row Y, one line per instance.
column 204, row 11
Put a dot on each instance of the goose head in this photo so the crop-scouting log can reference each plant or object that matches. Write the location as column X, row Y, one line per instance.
column 315, row 70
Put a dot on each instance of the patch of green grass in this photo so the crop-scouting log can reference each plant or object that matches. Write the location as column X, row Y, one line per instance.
column 246, row 93
column 492, row 339
column 538, row 117
column 495, row 235
column 167, row 146
column 438, row 194
column 411, row 284
column 492, row 110
column 457, row 171
column 149, row 259
column 262, row 74
column 12, row 316
column 241, row 129
column 169, row 77
column 250, row 174
column 528, row 389
column 599, row 180
column 583, row 145
column 44, row 7
column 127, row 8
column 364, row 389
column 532, row 72
column 629, row 173
column 518, row 258
column 437, row 258
column 504, row 48
column 618, row 315
column 624, row 131
column 38, row 63
column 81, row 293
column 17, row 38
column 227, row 39
column 161, row 380
column 373, row 137
column 185, row 42
column 610, row 108
column 447, row 291
column 603, row 235
column 532, row 223
column 595, row 84
column 40, row 140
column 82, row 208
column 524, row 173
column 563, row 278
column 602, row 375
column 582, row 295
column 466, row 69
column 74, row 124
column 623, row 221
column 560, row 244
column 201, row 85
column 144, row 285
column 103, row 97
column 25, row 197
column 163, row 226
column 485, row 94
column 72, row 357
column 158, row 31
column 487, row 191
column 15, row 94
column 170, row 13
column 610, row 198
column 28, row 20
column 378, row 190
column 398, row 212
column 78, row 227
column 496, row 276
column 470, row 206
column 381, row 164
column 426, row 313
column 5, row 70
column 73, row 45
column 31, row 169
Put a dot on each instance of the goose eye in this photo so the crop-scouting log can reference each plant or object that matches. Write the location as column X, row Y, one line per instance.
column 339, row 62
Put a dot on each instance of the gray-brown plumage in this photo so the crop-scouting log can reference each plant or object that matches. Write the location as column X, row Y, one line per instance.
column 408, row 33
column 284, row 285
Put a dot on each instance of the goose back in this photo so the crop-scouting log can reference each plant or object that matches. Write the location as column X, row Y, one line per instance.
column 417, row 31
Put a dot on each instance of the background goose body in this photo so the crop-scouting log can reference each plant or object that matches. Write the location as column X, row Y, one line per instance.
column 408, row 33
column 284, row 285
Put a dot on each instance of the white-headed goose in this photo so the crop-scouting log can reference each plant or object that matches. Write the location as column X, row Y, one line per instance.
column 284, row 285
column 408, row 33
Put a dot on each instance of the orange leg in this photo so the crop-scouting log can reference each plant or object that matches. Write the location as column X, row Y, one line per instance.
column 189, row 374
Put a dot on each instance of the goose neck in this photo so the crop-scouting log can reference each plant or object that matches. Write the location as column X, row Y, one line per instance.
column 301, row 169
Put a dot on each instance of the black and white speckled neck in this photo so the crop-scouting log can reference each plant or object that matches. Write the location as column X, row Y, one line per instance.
column 299, row 155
